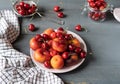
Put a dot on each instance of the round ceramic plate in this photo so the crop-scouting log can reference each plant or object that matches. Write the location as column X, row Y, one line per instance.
column 116, row 13
column 67, row 68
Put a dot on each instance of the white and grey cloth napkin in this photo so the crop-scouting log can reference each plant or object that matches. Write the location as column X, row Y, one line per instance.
column 16, row 67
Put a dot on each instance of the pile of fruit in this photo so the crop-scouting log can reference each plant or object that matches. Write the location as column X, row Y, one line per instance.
column 24, row 8
column 96, row 9
column 56, row 48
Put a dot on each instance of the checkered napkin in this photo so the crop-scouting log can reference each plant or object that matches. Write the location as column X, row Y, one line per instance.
column 16, row 67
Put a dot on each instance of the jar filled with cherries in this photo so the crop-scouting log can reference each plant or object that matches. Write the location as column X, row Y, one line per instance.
column 97, row 9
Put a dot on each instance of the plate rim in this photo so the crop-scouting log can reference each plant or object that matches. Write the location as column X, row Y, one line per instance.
column 69, row 68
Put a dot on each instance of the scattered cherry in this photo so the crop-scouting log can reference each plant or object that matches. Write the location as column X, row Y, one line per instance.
column 31, row 27
column 56, row 8
column 78, row 27
column 60, row 14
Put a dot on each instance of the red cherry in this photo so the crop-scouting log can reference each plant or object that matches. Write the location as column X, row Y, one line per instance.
column 54, row 52
column 65, row 55
column 60, row 29
column 68, row 36
column 60, row 14
column 92, row 4
column 31, row 27
column 47, row 64
column 71, row 47
column 45, row 36
column 33, row 6
column 53, row 35
column 26, row 6
column 45, row 46
column 31, row 11
column 90, row 0
column 78, row 50
column 38, row 36
column 21, row 3
column 98, row 3
column 83, row 54
column 21, row 12
column 78, row 27
column 56, row 8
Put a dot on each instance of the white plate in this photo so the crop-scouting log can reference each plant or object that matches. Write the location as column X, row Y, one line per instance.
column 65, row 69
column 116, row 13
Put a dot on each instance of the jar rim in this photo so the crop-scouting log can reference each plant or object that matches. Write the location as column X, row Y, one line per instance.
column 104, row 10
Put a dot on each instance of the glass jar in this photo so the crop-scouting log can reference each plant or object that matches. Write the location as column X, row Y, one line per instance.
column 97, row 15
column 97, row 9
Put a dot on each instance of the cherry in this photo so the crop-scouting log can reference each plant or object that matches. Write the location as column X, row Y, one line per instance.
column 45, row 36
column 53, row 35
column 30, row 11
column 53, row 52
column 83, row 54
column 60, row 14
column 21, row 3
column 71, row 47
column 31, row 27
column 68, row 36
column 78, row 50
column 65, row 55
column 78, row 27
column 92, row 4
column 26, row 6
column 22, row 12
column 60, row 29
column 45, row 46
column 56, row 8
column 47, row 64
column 90, row 0
column 38, row 36
column 98, row 3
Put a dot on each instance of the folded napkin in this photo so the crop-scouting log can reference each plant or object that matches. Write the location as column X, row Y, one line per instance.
column 16, row 67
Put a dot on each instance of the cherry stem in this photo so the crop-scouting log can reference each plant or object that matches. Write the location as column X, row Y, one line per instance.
column 85, row 29
column 52, row 19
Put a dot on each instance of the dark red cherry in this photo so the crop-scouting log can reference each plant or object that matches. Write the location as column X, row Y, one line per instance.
column 56, row 8
column 78, row 27
column 31, row 27
column 60, row 14
column 47, row 64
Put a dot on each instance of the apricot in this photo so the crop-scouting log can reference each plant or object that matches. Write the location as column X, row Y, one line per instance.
column 57, row 62
column 48, row 31
column 75, row 42
column 39, row 56
column 59, row 45
column 34, row 44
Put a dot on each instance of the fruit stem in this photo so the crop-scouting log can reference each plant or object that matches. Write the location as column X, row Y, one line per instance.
column 85, row 29
column 58, row 21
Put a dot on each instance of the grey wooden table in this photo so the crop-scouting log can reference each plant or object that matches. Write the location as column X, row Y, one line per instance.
column 103, row 67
